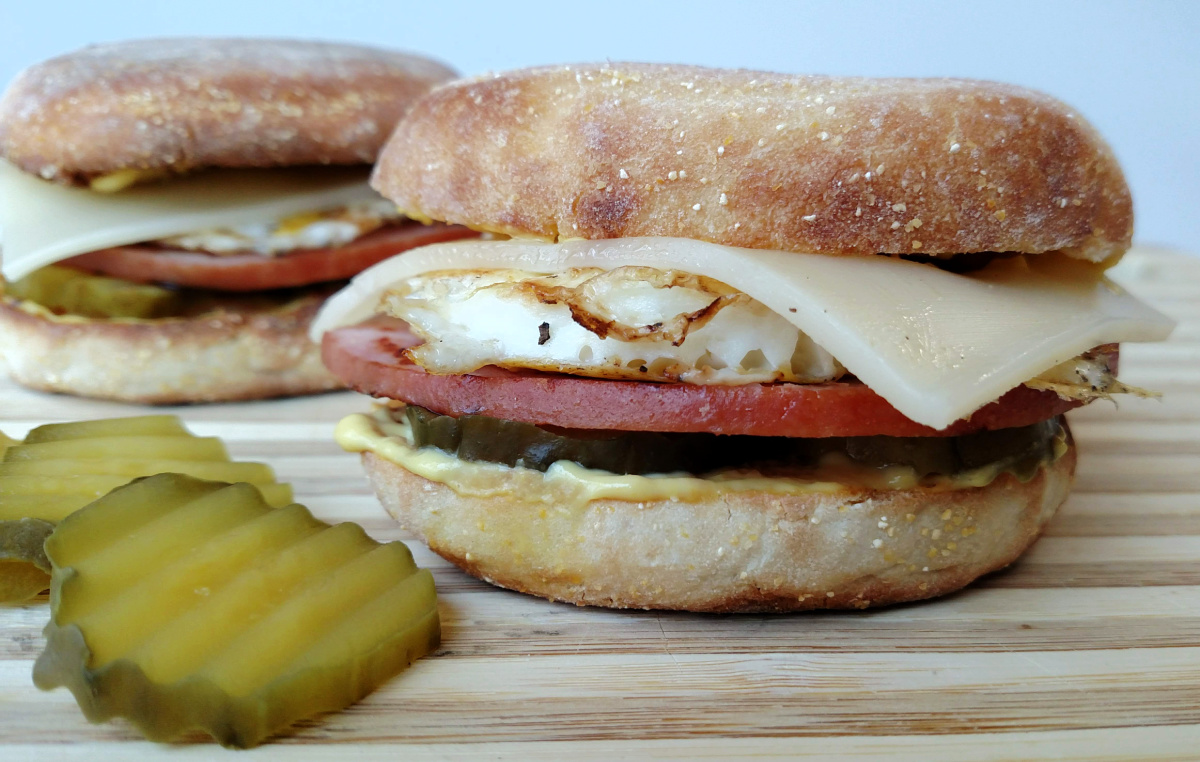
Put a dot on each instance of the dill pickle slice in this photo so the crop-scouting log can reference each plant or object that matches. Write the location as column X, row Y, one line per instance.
column 54, row 508
column 142, row 425
column 153, row 603
column 24, row 568
column 132, row 447
column 277, row 495
column 81, row 481
column 119, row 513
column 480, row 438
column 184, row 645
column 81, row 490
column 220, row 471
column 6, row 442
column 61, row 467
column 21, row 580
column 155, row 543
column 1022, row 448
column 186, row 605
column 92, row 484
column 50, row 508
column 495, row 440
column 64, row 290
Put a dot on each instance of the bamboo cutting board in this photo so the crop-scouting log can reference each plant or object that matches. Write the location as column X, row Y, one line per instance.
column 1087, row 648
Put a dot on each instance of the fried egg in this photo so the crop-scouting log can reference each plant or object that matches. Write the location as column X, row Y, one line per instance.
column 1085, row 378
column 322, row 229
column 637, row 323
column 628, row 323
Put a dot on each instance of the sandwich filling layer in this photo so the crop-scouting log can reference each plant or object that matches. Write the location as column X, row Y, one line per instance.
column 480, row 438
column 390, row 435
column 936, row 345
column 259, row 210
column 637, row 323
column 316, row 229
column 64, row 295
column 179, row 247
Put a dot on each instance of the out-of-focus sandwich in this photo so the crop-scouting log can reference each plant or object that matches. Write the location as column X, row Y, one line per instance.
column 174, row 211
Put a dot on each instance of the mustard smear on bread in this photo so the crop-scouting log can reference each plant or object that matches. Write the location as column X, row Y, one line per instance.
column 567, row 483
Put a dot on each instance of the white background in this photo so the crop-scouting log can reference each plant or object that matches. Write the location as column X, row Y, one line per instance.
column 1133, row 68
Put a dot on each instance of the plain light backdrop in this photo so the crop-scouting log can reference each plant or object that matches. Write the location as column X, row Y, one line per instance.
column 1132, row 68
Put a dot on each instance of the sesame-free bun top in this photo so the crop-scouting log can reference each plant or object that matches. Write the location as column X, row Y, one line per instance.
column 760, row 160
column 189, row 103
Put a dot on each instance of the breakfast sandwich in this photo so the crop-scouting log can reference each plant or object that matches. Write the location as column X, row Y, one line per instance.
column 173, row 212
column 751, row 341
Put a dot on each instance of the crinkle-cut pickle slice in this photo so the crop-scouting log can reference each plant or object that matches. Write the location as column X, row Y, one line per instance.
column 186, row 605
column 39, row 497
column 6, row 442
column 220, row 471
column 143, row 447
column 24, row 568
column 61, row 467
column 97, row 484
column 63, row 289
column 142, row 425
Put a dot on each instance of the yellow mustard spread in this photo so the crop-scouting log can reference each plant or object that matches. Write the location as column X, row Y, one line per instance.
column 566, row 481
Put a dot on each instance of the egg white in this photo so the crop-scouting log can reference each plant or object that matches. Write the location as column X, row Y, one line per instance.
column 321, row 229
column 621, row 323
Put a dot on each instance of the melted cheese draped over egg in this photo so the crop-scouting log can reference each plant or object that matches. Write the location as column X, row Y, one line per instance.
column 936, row 345
column 268, row 211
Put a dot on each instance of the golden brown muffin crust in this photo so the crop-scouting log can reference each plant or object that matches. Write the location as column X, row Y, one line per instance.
column 760, row 160
column 188, row 103
column 225, row 355
column 742, row 551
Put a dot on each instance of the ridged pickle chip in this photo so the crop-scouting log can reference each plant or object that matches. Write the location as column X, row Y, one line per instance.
column 142, row 425
column 61, row 467
column 95, row 448
column 24, row 568
column 186, row 605
column 63, row 289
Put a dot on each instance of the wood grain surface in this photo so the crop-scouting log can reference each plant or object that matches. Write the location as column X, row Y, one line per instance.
column 1087, row 648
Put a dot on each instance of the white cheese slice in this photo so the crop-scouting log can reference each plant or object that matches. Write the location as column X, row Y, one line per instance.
column 42, row 223
column 936, row 345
